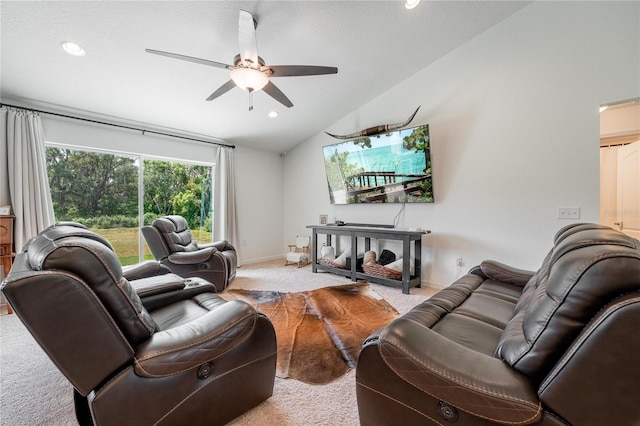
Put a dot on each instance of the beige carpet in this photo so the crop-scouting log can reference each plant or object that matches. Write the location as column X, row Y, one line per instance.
column 33, row 392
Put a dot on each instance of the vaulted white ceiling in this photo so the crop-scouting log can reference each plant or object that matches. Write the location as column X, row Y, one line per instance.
column 374, row 44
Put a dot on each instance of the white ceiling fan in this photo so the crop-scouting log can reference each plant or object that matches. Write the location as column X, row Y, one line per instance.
column 249, row 70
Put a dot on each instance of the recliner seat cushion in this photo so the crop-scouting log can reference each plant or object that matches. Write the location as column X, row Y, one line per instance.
column 186, row 311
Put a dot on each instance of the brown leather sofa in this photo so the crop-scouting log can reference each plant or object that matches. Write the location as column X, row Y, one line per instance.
column 159, row 350
column 559, row 346
column 171, row 242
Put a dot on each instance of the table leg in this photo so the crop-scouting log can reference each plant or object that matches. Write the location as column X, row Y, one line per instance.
column 417, row 244
column 314, row 252
column 354, row 256
column 406, row 271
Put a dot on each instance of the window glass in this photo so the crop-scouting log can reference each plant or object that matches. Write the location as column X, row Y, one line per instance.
column 182, row 189
column 103, row 191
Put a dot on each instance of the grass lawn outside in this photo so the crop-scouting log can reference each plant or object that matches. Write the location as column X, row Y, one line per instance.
column 125, row 242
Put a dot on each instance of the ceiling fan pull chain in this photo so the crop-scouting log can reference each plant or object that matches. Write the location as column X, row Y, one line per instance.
column 250, row 100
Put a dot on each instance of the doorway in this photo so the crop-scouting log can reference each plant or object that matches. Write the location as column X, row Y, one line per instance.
column 620, row 166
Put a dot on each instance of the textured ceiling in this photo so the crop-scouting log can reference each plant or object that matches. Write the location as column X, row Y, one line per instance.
column 374, row 44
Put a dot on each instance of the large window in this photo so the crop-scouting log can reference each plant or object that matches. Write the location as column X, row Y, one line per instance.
column 114, row 194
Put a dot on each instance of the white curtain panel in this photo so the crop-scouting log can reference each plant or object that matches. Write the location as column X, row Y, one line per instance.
column 24, row 173
column 224, row 197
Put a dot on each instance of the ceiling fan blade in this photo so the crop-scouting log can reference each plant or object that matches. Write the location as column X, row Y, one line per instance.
column 296, row 70
column 247, row 38
column 187, row 58
column 222, row 90
column 277, row 94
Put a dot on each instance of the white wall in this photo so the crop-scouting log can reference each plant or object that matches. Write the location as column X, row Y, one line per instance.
column 259, row 204
column 259, row 174
column 514, row 127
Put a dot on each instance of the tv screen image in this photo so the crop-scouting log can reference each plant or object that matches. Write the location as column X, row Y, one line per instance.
column 392, row 167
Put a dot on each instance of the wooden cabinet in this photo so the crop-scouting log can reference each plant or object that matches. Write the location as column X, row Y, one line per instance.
column 367, row 233
column 6, row 247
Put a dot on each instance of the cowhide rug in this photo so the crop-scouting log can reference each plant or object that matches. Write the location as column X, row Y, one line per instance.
column 319, row 332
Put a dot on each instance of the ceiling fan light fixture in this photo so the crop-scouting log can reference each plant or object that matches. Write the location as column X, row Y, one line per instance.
column 249, row 79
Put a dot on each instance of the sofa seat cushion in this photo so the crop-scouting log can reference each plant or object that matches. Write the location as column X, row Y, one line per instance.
column 469, row 332
column 451, row 297
column 500, row 290
column 486, row 308
column 472, row 318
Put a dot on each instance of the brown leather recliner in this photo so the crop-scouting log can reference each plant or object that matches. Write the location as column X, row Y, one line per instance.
column 171, row 242
column 196, row 359
column 559, row 346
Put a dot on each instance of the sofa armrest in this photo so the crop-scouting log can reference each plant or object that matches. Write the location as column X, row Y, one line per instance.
column 158, row 284
column 501, row 272
column 146, row 269
column 162, row 290
column 202, row 340
column 479, row 384
column 191, row 257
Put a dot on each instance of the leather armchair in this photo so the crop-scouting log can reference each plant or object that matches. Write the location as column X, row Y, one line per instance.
column 196, row 359
column 171, row 242
column 556, row 346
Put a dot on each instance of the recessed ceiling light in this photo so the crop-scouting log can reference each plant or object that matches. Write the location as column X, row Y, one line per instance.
column 410, row 4
column 273, row 114
column 602, row 108
column 73, row 49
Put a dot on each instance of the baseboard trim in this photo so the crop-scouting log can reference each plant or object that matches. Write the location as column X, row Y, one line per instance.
column 261, row 259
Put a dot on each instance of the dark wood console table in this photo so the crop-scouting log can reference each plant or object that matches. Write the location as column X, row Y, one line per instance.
column 406, row 236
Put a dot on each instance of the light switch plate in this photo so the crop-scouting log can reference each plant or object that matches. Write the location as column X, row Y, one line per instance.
column 568, row 212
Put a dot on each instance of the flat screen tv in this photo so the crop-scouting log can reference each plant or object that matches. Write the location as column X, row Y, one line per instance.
column 392, row 167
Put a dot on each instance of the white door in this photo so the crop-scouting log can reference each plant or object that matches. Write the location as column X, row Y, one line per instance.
column 628, row 208
column 609, row 186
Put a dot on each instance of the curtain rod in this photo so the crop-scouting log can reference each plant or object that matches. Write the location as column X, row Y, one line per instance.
column 119, row 125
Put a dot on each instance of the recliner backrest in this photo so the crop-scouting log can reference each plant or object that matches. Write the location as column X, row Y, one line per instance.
column 90, row 257
column 588, row 266
column 176, row 233
column 155, row 242
column 67, row 288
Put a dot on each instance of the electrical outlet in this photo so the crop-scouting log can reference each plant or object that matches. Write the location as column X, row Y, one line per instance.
column 460, row 261
column 568, row 212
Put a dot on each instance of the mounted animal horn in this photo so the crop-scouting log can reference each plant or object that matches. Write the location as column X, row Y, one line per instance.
column 376, row 130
